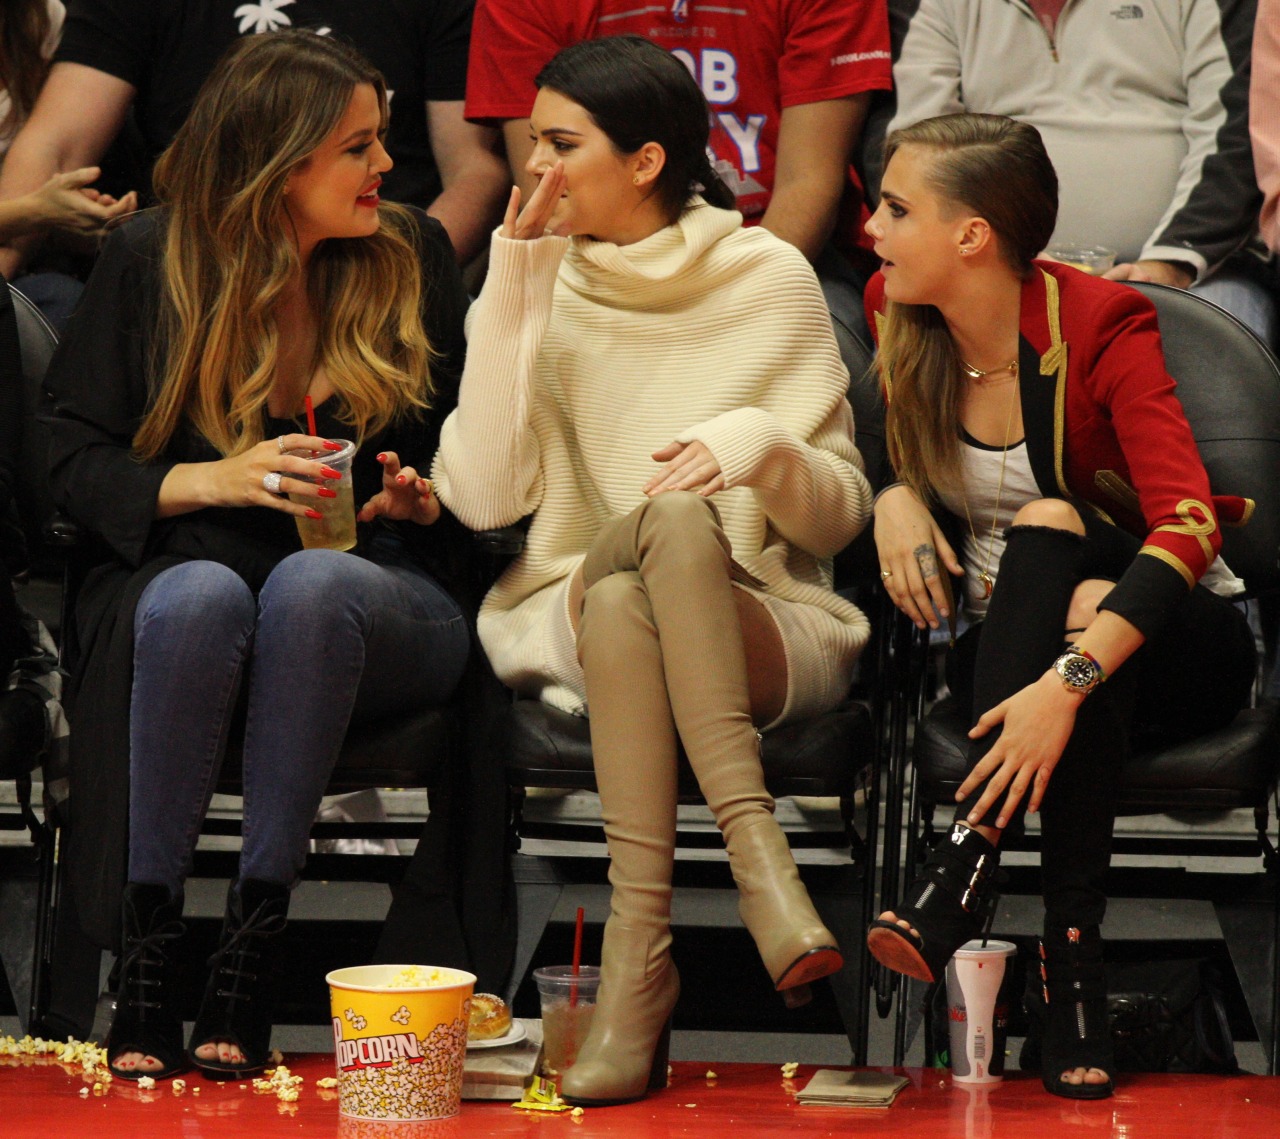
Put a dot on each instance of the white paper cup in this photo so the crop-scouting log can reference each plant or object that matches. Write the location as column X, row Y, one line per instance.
column 978, row 1021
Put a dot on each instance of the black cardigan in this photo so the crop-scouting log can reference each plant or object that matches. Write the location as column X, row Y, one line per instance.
column 99, row 386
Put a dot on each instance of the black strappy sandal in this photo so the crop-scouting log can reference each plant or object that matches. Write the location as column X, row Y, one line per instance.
column 1076, row 1032
column 953, row 900
column 146, row 1018
column 239, row 998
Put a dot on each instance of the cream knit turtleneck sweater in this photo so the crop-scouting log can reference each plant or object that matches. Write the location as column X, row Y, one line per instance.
column 584, row 358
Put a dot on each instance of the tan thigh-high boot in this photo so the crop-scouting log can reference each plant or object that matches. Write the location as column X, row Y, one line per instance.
column 633, row 742
column 675, row 543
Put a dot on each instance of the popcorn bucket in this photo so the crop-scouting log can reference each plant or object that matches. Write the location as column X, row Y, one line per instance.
column 400, row 1033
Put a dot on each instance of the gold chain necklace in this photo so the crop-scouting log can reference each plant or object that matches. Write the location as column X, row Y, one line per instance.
column 985, row 576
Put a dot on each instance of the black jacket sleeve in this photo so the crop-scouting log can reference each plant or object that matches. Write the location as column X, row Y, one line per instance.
column 96, row 394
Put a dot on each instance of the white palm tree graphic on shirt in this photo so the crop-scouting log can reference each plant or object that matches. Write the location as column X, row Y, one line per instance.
column 265, row 16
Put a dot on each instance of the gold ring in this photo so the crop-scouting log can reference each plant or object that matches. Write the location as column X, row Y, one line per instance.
column 280, row 444
column 885, row 575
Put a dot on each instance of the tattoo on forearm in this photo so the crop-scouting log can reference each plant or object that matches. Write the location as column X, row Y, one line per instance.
column 927, row 559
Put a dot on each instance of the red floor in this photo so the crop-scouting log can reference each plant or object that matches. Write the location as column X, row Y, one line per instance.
column 746, row 1101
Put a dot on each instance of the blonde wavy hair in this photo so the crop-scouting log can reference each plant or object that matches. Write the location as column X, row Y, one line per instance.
column 995, row 168
column 229, row 254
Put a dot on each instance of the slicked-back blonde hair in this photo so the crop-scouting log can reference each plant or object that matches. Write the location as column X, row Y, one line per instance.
column 991, row 167
column 229, row 253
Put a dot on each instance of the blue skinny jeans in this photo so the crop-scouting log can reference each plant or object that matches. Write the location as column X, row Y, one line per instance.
column 331, row 638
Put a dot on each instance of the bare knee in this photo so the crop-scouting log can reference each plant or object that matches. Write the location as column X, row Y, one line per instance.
column 1054, row 513
column 1085, row 600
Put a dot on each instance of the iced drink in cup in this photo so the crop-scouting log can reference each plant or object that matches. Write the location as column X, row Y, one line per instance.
column 568, row 1003
column 336, row 528
column 1093, row 259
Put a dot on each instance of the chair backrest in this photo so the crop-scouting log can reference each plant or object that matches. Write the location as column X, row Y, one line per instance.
column 36, row 343
column 1229, row 385
column 864, row 396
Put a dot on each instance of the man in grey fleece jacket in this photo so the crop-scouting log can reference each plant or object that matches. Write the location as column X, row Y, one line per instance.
column 1143, row 106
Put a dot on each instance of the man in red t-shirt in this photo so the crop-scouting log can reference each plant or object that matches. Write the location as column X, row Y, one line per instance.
column 788, row 82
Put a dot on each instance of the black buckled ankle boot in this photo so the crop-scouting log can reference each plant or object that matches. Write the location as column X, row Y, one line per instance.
column 239, row 998
column 146, row 1018
column 1076, row 1033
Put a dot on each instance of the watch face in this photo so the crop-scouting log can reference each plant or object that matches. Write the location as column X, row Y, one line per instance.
column 1077, row 671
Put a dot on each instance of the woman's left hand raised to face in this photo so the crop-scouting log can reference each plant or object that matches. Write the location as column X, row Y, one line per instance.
column 405, row 496
column 1038, row 721
column 533, row 221
column 689, row 466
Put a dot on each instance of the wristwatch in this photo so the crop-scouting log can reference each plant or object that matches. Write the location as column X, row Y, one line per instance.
column 1079, row 670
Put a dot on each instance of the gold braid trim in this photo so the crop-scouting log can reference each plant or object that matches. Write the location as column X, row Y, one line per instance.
column 1173, row 560
column 1054, row 362
column 1249, row 507
column 1192, row 526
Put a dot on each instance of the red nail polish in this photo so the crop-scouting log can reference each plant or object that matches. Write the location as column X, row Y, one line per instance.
column 400, row 479
column 382, row 457
column 330, row 473
column 325, row 492
column 314, row 514
column 330, row 445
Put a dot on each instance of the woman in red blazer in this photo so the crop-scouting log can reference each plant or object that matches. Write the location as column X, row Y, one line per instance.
column 1030, row 415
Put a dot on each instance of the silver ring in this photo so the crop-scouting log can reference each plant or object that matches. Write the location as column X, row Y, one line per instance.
column 280, row 444
column 271, row 482
column 885, row 575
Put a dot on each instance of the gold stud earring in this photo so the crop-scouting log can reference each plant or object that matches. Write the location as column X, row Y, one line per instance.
column 636, row 180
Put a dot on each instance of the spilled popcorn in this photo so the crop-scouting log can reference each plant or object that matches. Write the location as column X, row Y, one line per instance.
column 146, row 1083
column 789, row 1069
column 89, row 1056
column 576, row 1113
column 711, row 1075
column 327, row 1082
column 179, row 1086
column 279, row 1082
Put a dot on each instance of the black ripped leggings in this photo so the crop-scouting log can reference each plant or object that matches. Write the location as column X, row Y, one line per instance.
column 1190, row 678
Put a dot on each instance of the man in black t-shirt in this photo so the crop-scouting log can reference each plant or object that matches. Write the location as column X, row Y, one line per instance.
column 151, row 56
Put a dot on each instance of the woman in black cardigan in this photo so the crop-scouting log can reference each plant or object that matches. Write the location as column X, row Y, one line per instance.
column 270, row 275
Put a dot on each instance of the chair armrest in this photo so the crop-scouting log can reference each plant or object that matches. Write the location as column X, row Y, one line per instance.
column 62, row 532
column 505, row 542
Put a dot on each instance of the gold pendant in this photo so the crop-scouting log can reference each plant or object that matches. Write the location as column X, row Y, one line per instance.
column 987, row 584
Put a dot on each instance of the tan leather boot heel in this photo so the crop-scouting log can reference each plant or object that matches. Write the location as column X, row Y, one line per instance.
column 625, row 1054
column 794, row 944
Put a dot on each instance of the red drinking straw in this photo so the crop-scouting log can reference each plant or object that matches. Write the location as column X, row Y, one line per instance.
column 311, row 414
column 577, row 958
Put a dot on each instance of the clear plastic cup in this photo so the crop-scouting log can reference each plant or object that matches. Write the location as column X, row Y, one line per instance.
column 1094, row 259
column 568, row 1003
column 336, row 528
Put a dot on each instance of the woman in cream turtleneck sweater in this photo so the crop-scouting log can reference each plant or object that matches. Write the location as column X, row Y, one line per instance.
column 660, row 388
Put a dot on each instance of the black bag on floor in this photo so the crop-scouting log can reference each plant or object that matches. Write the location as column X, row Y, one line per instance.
column 1165, row 1016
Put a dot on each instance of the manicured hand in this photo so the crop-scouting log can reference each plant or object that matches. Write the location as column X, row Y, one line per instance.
column 914, row 554
column 405, row 496
column 535, row 220
column 1038, row 721
column 689, row 466
column 237, row 480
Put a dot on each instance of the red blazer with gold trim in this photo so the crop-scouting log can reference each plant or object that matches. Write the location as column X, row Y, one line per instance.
column 1104, row 426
